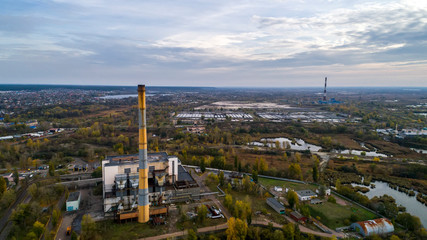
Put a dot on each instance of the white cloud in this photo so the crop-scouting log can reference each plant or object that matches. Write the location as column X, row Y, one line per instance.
column 214, row 38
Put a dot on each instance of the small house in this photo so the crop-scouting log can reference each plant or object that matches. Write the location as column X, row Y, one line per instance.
column 73, row 201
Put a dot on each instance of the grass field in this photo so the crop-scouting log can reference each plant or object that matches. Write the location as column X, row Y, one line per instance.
column 130, row 230
column 334, row 215
column 267, row 182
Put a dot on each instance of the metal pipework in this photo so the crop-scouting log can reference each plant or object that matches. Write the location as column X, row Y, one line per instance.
column 143, row 203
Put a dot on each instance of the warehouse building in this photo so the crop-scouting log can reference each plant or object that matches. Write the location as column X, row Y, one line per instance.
column 305, row 195
column 276, row 205
column 380, row 226
column 73, row 201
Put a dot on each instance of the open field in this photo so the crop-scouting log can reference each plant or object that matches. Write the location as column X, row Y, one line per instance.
column 295, row 186
column 335, row 215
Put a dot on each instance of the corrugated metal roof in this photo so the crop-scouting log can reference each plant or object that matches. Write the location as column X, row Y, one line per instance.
column 376, row 226
column 276, row 203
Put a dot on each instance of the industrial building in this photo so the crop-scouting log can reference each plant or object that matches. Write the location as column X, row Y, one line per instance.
column 139, row 185
column 168, row 181
column 380, row 226
column 276, row 205
column 73, row 201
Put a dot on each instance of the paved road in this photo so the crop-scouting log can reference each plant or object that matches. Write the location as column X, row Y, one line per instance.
column 183, row 233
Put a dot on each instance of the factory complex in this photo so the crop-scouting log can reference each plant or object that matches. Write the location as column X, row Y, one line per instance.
column 168, row 182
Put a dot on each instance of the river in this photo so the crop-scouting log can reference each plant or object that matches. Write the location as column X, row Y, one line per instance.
column 412, row 205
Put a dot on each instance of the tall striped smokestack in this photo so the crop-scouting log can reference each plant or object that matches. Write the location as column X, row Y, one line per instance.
column 143, row 204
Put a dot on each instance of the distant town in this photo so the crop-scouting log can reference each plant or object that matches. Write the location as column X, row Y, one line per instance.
column 212, row 163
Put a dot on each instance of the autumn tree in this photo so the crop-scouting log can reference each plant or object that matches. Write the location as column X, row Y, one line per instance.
column 38, row 228
column 263, row 166
column 292, row 198
column 297, row 157
column 295, row 171
column 228, row 201
column 202, row 211
column 237, row 229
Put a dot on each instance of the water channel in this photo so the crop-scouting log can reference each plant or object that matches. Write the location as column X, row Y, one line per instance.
column 412, row 205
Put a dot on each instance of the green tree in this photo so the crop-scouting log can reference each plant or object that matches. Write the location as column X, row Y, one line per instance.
column 88, row 228
column 331, row 199
column 255, row 176
column 412, row 223
column 38, row 228
column 202, row 212
column 278, row 235
column 3, row 186
column 289, row 231
column 315, row 168
column 56, row 214
column 31, row 236
column 202, row 165
column 97, row 173
column 228, row 201
column 292, row 198
column 229, row 187
column 394, row 237
column 192, row 235
column 338, row 184
column 51, row 169
column 33, row 189
column 15, row 176
column 221, row 178
column 305, row 211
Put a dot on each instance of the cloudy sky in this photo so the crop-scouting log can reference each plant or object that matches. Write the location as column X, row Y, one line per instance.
column 214, row 43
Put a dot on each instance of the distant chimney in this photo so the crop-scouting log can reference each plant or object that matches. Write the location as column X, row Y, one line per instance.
column 324, row 90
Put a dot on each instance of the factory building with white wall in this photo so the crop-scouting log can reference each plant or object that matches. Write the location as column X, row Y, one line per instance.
column 167, row 179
